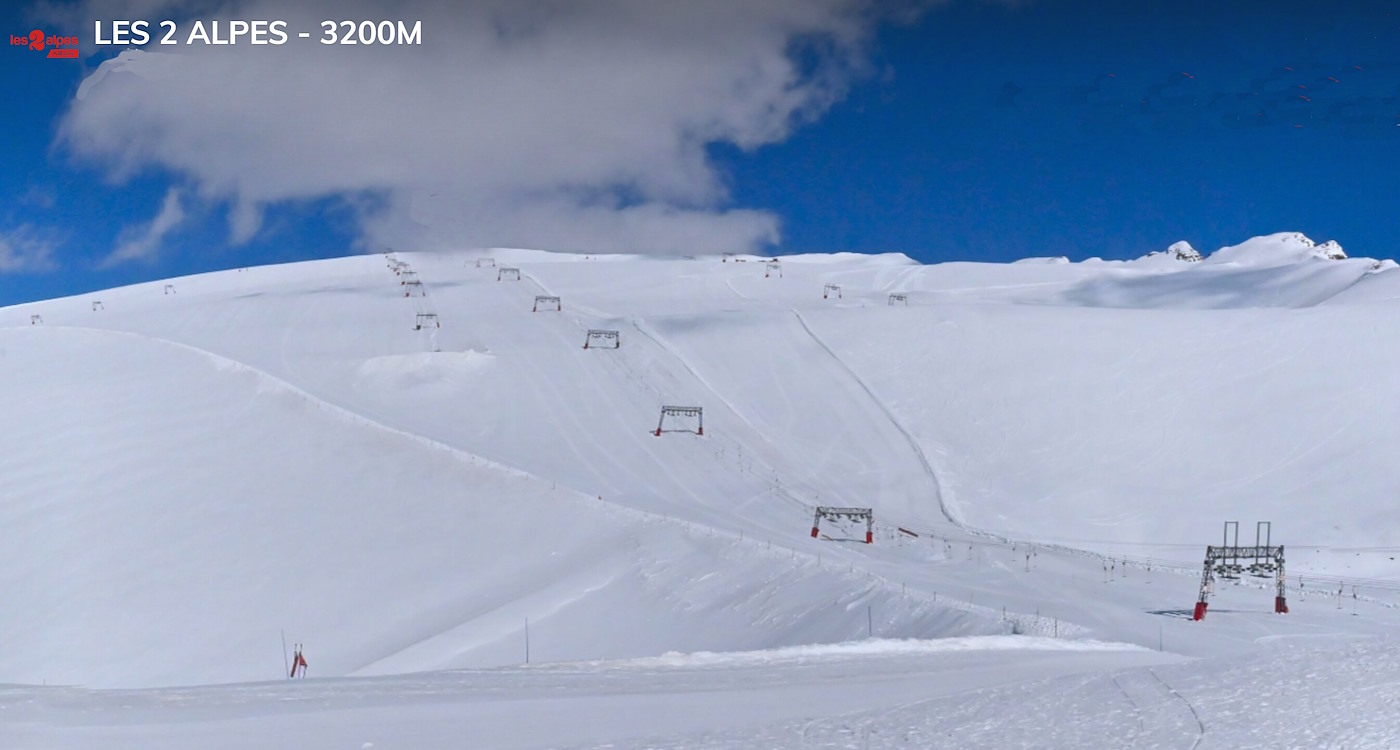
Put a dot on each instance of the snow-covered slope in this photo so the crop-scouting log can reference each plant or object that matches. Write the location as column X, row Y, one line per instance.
column 169, row 511
column 195, row 466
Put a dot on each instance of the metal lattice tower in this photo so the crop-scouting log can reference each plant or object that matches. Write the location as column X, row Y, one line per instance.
column 681, row 411
column 600, row 335
column 854, row 514
column 1230, row 561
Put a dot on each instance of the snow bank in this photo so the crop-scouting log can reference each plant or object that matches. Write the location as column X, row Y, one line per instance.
column 873, row 647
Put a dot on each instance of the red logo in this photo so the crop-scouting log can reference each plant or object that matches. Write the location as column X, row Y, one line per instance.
column 60, row 47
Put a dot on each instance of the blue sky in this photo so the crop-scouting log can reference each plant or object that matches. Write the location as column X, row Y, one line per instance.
column 935, row 161
column 982, row 131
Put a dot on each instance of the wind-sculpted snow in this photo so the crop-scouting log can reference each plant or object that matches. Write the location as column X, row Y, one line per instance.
column 1279, row 270
column 1227, row 285
column 867, row 648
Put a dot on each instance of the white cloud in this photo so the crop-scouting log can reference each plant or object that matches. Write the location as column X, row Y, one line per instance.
column 24, row 249
column 144, row 243
column 244, row 221
column 571, row 125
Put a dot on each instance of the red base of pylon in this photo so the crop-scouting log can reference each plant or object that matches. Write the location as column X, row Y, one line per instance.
column 700, row 432
column 814, row 532
column 869, row 537
column 1280, row 605
column 658, row 432
column 1200, row 613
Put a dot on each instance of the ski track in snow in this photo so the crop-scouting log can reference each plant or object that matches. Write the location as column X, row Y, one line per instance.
column 335, row 409
column 1200, row 725
column 913, row 442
